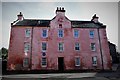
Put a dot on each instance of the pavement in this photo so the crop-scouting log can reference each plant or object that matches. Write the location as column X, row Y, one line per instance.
column 65, row 76
column 110, row 75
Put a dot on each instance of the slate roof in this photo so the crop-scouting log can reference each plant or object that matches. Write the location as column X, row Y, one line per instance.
column 86, row 24
column 45, row 23
column 33, row 22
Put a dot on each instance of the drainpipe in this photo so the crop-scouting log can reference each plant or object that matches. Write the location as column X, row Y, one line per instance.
column 31, row 48
column 100, row 48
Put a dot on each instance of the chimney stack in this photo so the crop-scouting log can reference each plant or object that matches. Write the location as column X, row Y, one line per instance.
column 20, row 16
column 60, row 10
column 95, row 19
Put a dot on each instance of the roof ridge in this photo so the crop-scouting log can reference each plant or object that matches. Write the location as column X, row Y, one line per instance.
column 36, row 19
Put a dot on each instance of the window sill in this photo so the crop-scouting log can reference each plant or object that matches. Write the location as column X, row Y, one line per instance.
column 77, row 50
column 44, row 66
column 93, row 50
column 44, row 51
column 94, row 64
column 44, row 37
column 60, row 51
column 77, row 65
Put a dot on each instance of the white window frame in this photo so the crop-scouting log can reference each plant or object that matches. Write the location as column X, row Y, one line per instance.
column 26, row 47
column 45, row 62
column 75, row 33
column 77, row 58
column 59, row 46
column 93, row 46
column 29, row 32
column 62, row 33
column 77, row 46
column 24, row 62
column 42, row 46
column 91, row 36
column 94, row 60
column 46, row 33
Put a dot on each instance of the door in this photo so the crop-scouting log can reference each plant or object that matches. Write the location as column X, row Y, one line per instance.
column 60, row 63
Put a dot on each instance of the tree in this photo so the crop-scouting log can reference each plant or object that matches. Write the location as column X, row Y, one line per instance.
column 4, row 52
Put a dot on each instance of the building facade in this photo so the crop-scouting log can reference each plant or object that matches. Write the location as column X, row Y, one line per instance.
column 58, row 44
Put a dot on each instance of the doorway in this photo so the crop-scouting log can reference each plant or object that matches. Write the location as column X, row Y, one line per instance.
column 61, row 63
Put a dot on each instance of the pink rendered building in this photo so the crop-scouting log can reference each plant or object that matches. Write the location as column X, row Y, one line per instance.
column 58, row 44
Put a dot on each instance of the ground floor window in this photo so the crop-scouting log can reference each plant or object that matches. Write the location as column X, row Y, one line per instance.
column 77, row 61
column 94, row 61
column 44, row 62
column 25, row 62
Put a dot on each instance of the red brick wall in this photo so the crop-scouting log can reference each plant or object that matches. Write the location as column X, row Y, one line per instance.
column 17, row 40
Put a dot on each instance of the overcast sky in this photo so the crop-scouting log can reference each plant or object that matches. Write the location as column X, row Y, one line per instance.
column 107, row 12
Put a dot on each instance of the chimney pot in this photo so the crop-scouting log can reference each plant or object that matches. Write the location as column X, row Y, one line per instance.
column 20, row 16
column 60, row 8
column 57, row 8
column 95, row 19
column 63, row 8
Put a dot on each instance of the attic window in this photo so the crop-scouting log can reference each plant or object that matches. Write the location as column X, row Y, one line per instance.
column 60, row 25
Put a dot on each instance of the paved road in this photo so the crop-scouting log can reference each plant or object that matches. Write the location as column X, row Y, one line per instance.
column 91, row 78
column 65, row 76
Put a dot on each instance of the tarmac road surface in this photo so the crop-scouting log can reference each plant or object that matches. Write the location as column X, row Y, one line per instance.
column 65, row 76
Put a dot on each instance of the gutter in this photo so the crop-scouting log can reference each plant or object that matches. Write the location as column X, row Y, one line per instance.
column 31, row 48
column 100, row 48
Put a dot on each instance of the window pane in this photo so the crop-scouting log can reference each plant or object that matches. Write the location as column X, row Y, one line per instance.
column 44, row 33
column 77, row 46
column 44, row 61
column 94, row 60
column 44, row 45
column 77, row 61
column 26, row 62
column 92, row 34
column 60, row 46
column 60, row 33
column 93, row 46
column 27, row 32
column 26, row 47
column 76, row 33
